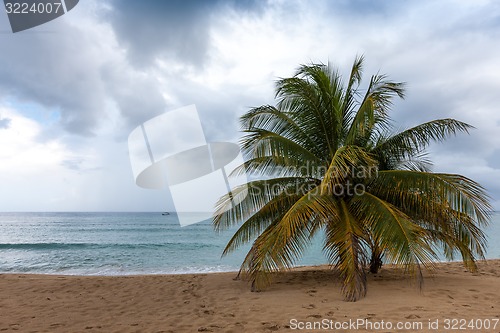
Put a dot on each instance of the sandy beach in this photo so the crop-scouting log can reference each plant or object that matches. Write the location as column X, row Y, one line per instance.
column 298, row 300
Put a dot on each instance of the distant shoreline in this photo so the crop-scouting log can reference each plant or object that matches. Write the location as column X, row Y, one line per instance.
column 235, row 271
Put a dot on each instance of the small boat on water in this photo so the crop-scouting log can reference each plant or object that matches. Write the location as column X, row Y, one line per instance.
column 165, row 213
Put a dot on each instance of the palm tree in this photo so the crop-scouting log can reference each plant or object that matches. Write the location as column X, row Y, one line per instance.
column 326, row 159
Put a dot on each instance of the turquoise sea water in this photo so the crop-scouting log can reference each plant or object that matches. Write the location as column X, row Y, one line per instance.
column 129, row 243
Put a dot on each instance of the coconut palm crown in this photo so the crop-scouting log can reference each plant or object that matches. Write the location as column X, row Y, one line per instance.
column 326, row 159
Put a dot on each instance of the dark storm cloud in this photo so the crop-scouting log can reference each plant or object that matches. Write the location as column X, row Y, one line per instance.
column 173, row 29
column 52, row 69
column 68, row 71
column 136, row 95
column 62, row 67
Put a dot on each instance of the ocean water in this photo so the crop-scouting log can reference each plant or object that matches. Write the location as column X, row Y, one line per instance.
column 129, row 243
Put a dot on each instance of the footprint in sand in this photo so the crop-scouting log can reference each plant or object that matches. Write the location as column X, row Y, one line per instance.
column 211, row 328
column 271, row 326
column 413, row 316
column 317, row 316
column 312, row 292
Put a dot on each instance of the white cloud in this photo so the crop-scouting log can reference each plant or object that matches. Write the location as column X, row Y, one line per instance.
column 32, row 172
column 20, row 150
column 46, row 175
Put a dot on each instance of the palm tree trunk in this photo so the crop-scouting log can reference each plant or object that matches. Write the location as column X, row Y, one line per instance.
column 376, row 260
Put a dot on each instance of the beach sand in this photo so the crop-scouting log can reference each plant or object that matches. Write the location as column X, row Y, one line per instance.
column 217, row 303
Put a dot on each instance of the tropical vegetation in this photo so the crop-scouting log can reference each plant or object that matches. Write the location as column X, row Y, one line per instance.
column 327, row 159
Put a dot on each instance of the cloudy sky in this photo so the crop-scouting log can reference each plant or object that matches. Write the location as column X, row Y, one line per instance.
column 72, row 90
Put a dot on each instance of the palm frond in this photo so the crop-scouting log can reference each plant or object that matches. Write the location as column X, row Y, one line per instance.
column 344, row 248
column 412, row 141
column 429, row 192
column 265, row 143
column 403, row 241
column 254, row 195
column 346, row 161
column 273, row 120
column 259, row 221
column 280, row 245
column 451, row 208
column 374, row 108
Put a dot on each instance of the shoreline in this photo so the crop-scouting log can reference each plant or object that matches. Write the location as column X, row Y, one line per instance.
column 214, row 302
column 234, row 270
